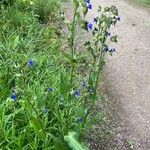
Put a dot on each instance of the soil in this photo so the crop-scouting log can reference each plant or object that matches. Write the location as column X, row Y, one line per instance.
column 127, row 76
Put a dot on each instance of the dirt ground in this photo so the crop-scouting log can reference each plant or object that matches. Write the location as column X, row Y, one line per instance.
column 127, row 74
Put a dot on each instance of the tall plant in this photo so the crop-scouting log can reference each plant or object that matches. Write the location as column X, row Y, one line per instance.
column 96, row 46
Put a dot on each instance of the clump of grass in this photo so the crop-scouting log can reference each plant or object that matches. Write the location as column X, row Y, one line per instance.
column 45, row 11
column 28, row 71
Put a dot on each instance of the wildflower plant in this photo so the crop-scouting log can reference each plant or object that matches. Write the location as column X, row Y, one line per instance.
column 97, row 47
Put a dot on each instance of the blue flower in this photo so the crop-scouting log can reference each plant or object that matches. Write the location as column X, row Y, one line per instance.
column 14, row 96
column 50, row 90
column 89, row 6
column 111, row 22
column 80, row 119
column 92, row 90
column 95, row 20
column 84, row 85
column 46, row 110
column 90, row 26
column 112, row 50
column 88, row 1
column 118, row 18
column 30, row 63
column 106, row 48
column 76, row 93
column 108, row 34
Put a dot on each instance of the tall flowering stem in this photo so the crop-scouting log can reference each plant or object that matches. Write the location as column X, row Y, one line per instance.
column 71, row 42
column 101, row 36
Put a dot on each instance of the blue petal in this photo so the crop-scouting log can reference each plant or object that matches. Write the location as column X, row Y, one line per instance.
column 46, row 110
column 14, row 96
column 50, row 90
column 118, row 18
column 80, row 119
column 89, row 6
column 106, row 48
column 92, row 90
column 88, row 1
column 84, row 85
column 95, row 20
column 90, row 26
column 112, row 50
column 108, row 34
column 76, row 93
column 30, row 63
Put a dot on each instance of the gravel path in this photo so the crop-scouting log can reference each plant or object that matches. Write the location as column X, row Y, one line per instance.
column 127, row 74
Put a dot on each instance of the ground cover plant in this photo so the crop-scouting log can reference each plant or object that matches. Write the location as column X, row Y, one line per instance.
column 45, row 98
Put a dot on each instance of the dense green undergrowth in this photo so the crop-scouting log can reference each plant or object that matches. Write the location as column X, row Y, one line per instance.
column 45, row 93
column 32, row 100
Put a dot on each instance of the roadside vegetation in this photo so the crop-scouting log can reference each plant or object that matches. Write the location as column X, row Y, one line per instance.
column 47, row 93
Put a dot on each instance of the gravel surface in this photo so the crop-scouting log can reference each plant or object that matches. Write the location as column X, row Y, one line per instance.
column 127, row 76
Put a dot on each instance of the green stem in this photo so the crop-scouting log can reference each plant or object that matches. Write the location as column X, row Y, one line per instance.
column 72, row 75
column 98, row 73
column 93, row 66
column 88, row 112
column 72, row 48
column 94, row 62
column 73, row 33
column 100, row 64
column 95, row 89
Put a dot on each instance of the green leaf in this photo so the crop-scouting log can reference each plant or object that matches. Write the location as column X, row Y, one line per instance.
column 85, row 10
column 83, row 25
column 59, row 146
column 114, row 39
column 64, row 85
column 113, row 8
column 99, row 8
column 73, row 142
column 81, row 111
column 115, row 12
column 16, row 42
column 37, row 126
column 107, row 9
column 78, row 16
column 76, row 3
